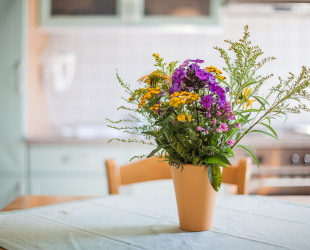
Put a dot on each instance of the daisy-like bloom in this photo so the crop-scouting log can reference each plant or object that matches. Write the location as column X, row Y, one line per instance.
column 231, row 142
column 238, row 125
column 218, row 130
column 153, row 78
column 219, row 113
column 214, row 121
column 199, row 128
column 245, row 96
column 224, row 126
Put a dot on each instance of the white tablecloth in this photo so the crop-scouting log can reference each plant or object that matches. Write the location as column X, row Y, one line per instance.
column 136, row 222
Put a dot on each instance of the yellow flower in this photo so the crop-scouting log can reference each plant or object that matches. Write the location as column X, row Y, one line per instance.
column 154, row 78
column 211, row 68
column 245, row 95
column 139, row 106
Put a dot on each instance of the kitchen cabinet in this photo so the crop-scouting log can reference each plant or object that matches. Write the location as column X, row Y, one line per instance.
column 61, row 13
column 77, row 169
column 13, row 172
column 83, row 12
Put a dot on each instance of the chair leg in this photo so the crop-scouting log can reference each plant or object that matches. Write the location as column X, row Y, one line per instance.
column 113, row 175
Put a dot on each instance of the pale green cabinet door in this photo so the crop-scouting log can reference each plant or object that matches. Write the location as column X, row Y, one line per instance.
column 12, row 151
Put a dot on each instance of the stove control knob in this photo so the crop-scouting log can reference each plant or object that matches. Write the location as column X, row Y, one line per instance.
column 307, row 159
column 295, row 158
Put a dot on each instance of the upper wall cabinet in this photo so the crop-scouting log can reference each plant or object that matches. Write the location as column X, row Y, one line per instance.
column 198, row 12
column 126, row 12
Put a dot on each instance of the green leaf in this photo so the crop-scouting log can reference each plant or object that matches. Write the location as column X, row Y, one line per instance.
column 244, row 117
column 270, row 128
column 217, row 158
column 159, row 147
column 213, row 142
column 149, row 133
column 250, row 153
column 230, row 151
column 257, row 99
column 215, row 176
column 263, row 132
column 268, row 120
column 248, row 110
column 248, row 146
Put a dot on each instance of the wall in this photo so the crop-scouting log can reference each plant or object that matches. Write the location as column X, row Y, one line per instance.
column 96, row 92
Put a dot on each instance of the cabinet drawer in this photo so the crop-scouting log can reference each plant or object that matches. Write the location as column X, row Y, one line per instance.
column 69, row 186
column 82, row 157
column 75, row 157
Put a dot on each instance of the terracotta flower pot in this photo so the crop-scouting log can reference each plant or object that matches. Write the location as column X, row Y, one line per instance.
column 195, row 197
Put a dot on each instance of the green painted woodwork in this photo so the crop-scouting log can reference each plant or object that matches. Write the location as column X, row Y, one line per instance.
column 46, row 19
column 211, row 20
column 129, row 13
column 64, row 169
column 12, row 149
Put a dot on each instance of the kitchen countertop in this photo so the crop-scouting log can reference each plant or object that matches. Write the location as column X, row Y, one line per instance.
column 288, row 140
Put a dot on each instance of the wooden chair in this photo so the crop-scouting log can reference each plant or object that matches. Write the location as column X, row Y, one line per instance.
column 155, row 169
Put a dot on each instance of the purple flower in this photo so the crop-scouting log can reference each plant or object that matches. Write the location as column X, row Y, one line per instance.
column 177, row 79
column 199, row 128
column 160, row 94
column 175, row 87
column 178, row 75
column 227, row 89
column 214, row 121
column 214, row 87
column 197, row 61
column 231, row 142
column 211, row 79
column 231, row 117
column 227, row 107
column 207, row 101
column 238, row 125
column 203, row 75
column 218, row 130
column 194, row 67
column 209, row 115
column 219, row 113
column 224, row 126
column 185, row 63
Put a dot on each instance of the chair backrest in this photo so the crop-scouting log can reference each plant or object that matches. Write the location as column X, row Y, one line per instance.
column 155, row 169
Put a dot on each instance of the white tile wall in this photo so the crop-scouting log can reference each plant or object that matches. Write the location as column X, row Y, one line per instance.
column 96, row 93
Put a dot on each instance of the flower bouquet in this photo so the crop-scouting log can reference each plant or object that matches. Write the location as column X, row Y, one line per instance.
column 197, row 115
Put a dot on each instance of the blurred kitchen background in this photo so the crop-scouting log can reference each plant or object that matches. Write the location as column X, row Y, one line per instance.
column 58, row 84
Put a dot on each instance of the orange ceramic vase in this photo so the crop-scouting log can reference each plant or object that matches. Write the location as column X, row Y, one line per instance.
column 195, row 197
